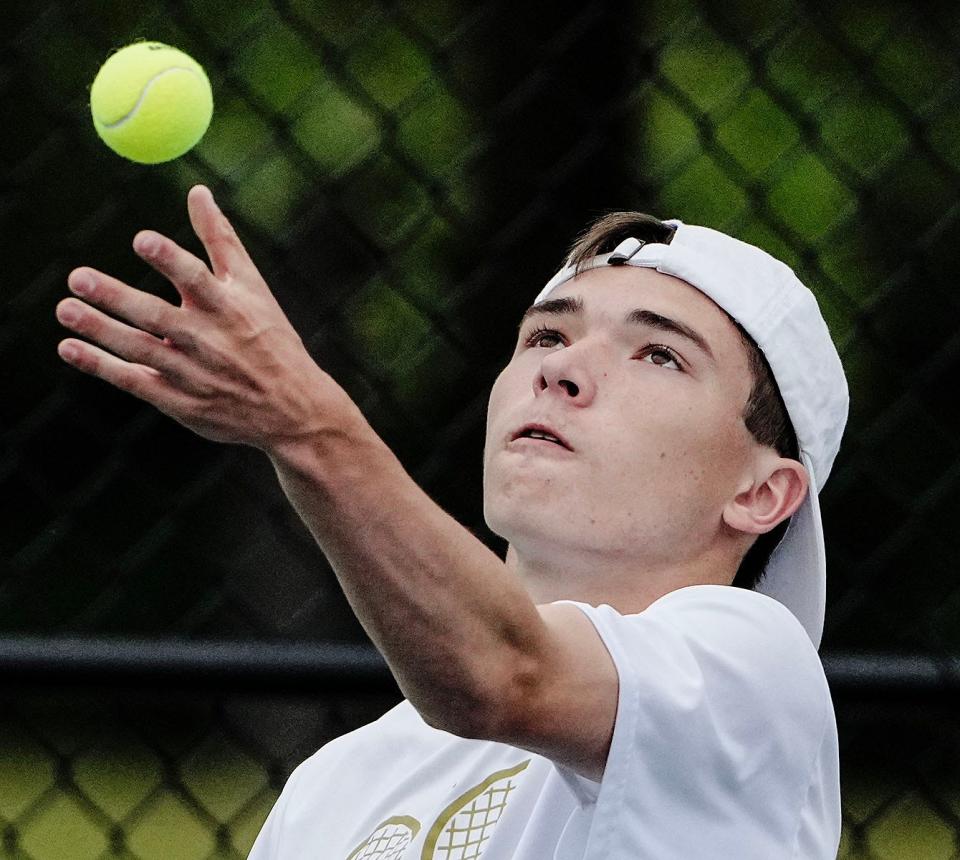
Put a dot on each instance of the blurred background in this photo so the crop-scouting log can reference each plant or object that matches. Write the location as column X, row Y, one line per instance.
column 407, row 175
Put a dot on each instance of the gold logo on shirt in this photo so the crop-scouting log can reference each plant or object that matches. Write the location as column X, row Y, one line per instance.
column 389, row 839
column 460, row 831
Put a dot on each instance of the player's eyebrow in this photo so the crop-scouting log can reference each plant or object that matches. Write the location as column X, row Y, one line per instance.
column 573, row 306
column 651, row 319
column 554, row 307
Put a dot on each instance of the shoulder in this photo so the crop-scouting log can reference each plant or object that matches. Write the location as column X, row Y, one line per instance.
column 729, row 611
column 721, row 616
column 729, row 641
column 739, row 623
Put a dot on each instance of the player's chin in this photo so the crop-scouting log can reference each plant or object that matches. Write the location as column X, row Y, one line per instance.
column 517, row 513
column 501, row 513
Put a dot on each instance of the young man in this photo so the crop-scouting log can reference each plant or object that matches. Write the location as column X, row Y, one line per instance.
column 673, row 404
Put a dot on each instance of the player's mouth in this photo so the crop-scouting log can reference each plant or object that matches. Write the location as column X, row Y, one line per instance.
column 542, row 434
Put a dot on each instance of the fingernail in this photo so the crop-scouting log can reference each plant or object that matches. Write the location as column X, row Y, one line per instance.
column 146, row 244
column 68, row 314
column 68, row 351
column 82, row 285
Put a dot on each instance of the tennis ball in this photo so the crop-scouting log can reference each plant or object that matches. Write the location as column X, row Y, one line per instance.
column 151, row 102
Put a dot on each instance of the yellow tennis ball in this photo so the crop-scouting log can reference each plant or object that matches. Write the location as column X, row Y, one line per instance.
column 151, row 102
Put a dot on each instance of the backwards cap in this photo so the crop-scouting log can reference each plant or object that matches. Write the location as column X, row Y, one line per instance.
column 782, row 316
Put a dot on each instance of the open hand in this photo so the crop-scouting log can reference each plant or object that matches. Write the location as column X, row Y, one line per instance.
column 226, row 363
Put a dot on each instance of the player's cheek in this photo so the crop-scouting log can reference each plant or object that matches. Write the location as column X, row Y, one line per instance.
column 499, row 396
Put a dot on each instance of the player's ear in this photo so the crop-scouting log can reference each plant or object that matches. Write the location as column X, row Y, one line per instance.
column 778, row 487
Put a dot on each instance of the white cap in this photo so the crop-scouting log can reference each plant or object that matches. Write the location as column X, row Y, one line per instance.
column 783, row 318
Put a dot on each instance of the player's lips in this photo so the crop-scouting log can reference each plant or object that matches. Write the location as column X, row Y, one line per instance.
column 541, row 434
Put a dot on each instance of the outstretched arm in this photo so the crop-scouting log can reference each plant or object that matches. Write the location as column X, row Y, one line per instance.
column 463, row 638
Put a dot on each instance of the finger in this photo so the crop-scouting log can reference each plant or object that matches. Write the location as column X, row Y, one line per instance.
column 190, row 275
column 124, row 341
column 147, row 312
column 136, row 379
column 226, row 251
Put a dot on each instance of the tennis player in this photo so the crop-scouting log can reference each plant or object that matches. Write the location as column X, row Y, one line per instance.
column 639, row 677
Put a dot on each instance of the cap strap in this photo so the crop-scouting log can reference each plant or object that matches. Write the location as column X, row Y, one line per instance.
column 627, row 249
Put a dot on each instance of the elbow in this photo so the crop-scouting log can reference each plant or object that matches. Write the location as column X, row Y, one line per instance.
column 459, row 713
column 456, row 723
column 493, row 708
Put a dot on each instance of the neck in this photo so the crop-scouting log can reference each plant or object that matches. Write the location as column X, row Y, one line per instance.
column 626, row 586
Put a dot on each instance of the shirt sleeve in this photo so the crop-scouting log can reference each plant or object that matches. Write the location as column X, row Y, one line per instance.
column 724, row 743
column 268, row 842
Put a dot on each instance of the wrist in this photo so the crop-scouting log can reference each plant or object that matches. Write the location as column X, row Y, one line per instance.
column 327, row 443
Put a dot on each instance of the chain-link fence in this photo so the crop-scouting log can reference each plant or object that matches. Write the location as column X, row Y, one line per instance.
column 407, row 175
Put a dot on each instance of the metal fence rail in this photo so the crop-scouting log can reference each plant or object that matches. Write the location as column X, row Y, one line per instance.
column 324, row 668
column 314, row 667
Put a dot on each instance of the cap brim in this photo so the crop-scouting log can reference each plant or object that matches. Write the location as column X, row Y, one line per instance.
column 796, row 574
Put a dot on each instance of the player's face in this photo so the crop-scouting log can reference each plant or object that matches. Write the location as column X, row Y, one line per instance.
column 654, row 423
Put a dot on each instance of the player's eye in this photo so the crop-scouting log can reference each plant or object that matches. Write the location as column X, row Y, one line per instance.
column 660, row 350
column 535, row 338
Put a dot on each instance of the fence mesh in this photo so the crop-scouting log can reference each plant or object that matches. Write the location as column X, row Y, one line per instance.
column 407, row 174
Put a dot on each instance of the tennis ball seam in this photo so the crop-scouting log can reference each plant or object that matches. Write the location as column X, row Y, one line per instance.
column 143, row 94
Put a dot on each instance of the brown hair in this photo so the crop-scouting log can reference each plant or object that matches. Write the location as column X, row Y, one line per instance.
column 764, row 413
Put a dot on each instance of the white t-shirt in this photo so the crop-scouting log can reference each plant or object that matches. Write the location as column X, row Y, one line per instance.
column 724, row 747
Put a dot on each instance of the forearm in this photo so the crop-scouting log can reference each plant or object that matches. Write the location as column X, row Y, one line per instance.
column 457, row 629
column 227, row 363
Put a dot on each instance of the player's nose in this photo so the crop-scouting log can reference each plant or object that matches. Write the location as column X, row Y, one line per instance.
column 566, row 373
